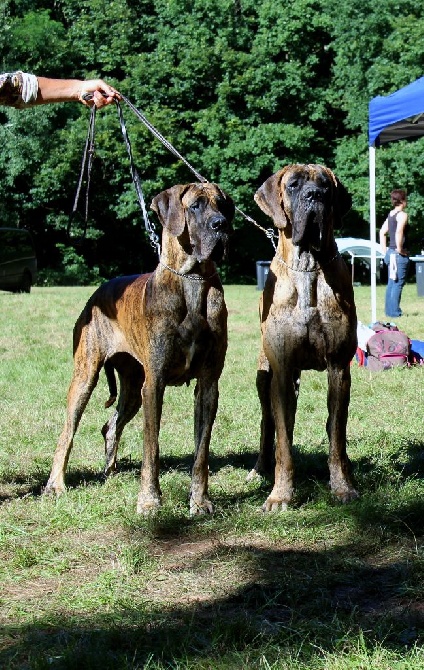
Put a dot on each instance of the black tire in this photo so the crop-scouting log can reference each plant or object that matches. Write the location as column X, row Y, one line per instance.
column 25, row 287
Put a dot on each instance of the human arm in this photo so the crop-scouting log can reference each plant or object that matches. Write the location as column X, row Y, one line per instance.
column 383, row 232
column 65, row 90
column 401, row 221
column 20, row 90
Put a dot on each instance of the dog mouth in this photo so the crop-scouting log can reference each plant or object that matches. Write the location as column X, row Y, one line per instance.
column 308, row 224
column 215, row 248
column 220, row 250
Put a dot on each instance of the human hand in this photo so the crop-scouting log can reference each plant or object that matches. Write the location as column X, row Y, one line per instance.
column 97, row 92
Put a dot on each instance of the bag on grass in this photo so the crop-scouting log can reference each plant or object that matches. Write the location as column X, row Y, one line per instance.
column 417, row 352
column 387, row 348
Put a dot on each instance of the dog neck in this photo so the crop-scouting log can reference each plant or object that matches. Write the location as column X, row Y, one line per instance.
column 297, row 259
column 304, row 268
column 174, row 259
column 190, row 281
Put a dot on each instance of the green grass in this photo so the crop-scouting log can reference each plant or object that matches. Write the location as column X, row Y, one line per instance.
column 86, row 583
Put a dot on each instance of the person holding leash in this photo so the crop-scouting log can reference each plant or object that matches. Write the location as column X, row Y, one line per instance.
column 21, row 90
column 396, row 256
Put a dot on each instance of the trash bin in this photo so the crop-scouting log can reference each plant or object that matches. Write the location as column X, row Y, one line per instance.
column 262, row 269
column 419, row 270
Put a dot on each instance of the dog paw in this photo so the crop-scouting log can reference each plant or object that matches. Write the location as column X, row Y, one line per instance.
column 148, row 505
column 253, row 476
column 53, row 489
column 110, row 469
column 346, row 496
column 263, row 469
column 203, row 507
column 272, row 505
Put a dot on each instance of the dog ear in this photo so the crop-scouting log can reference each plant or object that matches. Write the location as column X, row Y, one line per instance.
column 228, row 205
column 169, row 209
column 344, row 199
column 268, row 197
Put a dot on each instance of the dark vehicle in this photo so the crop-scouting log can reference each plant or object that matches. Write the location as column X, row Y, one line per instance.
column 18, row 262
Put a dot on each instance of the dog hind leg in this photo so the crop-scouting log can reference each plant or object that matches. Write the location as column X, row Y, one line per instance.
column 266, row 462
column 130, row 381
column 80, row 390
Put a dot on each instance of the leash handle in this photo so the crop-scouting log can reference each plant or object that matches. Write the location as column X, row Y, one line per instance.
column 89, row 150
column 154, row 239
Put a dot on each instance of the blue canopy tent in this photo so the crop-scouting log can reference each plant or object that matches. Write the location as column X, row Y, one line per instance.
column 393, row 117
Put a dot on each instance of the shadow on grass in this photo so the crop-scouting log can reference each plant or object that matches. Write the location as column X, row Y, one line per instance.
column 414, row 466
column 309, row 467
column 299, row 604
column 302, row 604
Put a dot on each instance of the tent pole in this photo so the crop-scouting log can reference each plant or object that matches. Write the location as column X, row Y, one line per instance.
column 352, row 260
column 373, row 236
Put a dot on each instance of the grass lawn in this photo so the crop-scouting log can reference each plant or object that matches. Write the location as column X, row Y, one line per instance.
column 85, row 583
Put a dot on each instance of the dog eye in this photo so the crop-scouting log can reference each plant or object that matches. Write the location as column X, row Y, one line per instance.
column 324, row 183
column 196, row 204
column 293, row 184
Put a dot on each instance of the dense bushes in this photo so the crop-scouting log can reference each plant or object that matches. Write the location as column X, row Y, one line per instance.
column 239, row 87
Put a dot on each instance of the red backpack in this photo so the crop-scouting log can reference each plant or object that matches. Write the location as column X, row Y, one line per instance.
column 389, row 347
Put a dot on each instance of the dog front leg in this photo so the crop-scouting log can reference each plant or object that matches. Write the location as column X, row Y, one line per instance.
column 205, row 409
column 284, row 392
column 149, row 498
column 338, row 405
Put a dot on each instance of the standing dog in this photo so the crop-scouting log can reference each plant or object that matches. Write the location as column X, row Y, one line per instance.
column 159, row 329
column 308, row 321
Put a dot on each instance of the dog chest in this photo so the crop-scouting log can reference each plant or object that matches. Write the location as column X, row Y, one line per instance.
column 307, row 336
column 197, row 337
column 202, row 335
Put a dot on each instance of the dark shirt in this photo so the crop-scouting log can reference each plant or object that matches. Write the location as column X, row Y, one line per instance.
column 391, row 220
column 392, row 225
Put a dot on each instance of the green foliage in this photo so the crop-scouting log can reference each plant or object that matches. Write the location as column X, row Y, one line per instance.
column 73, row 271
column 238, row 87
column 28, row 41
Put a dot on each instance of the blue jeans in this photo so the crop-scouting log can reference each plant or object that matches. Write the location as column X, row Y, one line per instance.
column 395, row 286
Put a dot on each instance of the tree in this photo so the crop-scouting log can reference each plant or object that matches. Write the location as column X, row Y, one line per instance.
column 240, row 88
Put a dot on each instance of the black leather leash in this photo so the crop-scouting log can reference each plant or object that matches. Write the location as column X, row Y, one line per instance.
column 87, row 158
column 149, row 226
column 269, row 232
column 89, row 151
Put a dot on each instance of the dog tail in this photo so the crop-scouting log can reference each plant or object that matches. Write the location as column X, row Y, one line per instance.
column 111, row 382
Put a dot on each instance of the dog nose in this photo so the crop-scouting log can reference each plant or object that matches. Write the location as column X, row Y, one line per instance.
column 217, row 223
column 313, row 193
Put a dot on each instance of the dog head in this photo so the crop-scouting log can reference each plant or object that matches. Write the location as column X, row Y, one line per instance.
column 200, row 216
column 306, row 200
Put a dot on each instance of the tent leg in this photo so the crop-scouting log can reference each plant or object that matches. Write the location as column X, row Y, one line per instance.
column 373, row 236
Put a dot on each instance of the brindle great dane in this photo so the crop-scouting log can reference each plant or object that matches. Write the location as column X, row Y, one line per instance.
column 158, row 329
column 308, row 321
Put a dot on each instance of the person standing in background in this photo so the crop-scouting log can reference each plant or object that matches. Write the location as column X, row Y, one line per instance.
column 396, row 255
column 20, row 90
